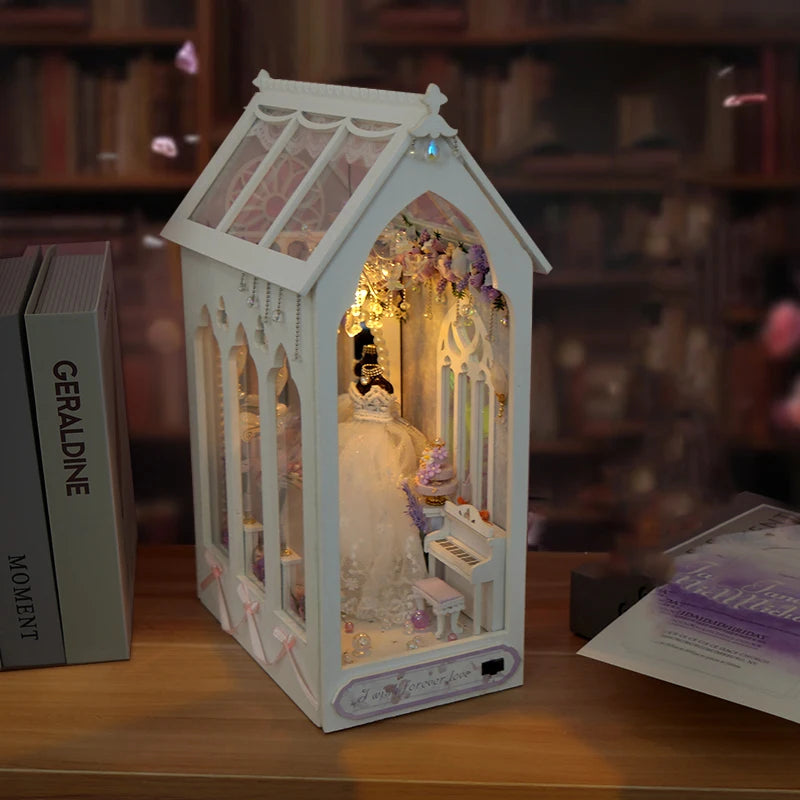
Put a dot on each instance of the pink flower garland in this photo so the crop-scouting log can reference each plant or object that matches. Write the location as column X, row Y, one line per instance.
column 429, row 256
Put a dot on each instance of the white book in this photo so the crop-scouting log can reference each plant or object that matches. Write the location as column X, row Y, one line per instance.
column 30, row 627
column 73, row 343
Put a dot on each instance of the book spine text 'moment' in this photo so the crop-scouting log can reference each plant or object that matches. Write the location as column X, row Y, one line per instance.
column 30, row 623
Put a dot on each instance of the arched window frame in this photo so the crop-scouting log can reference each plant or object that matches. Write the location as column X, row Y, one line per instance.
column 467, row 353
column 291, row 559
column 249, row 456
column 211, row 419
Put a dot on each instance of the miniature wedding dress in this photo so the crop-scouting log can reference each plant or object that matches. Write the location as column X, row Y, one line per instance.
column 380, row 547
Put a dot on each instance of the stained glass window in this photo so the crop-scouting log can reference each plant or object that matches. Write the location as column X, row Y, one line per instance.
column 233, row 177
column 279, row 183
column 290, row 176
column 331, row 190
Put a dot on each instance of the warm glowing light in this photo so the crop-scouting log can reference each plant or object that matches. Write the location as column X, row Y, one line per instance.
column 399, row 263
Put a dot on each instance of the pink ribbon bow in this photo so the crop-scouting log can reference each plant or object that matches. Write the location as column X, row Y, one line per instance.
column 251, row 607
column 215, row 575
column 288, row 642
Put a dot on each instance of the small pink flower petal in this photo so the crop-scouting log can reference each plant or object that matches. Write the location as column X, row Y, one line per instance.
column 735, row 100
column 186, row 59
column 165, row 146
column 781, row 333
column 786, row 413
column 152, row 242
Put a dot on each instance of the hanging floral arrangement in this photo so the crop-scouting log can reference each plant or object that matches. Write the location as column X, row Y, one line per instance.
column 406, row 257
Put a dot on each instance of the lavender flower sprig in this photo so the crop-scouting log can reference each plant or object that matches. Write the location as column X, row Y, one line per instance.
column 414, row 508
column 490, row 293
column 480, row 266
column 431, row 256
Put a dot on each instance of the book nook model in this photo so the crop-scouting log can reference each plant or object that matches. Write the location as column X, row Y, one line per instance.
column 358, row 315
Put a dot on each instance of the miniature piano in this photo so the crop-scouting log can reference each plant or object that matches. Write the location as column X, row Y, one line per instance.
column 469, row 554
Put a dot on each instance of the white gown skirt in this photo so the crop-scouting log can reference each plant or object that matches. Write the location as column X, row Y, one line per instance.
column 381, row 549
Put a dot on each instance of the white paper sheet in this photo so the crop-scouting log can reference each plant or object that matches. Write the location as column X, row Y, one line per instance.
column 728, row 623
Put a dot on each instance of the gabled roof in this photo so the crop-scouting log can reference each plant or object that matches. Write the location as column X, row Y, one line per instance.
column 297, row 170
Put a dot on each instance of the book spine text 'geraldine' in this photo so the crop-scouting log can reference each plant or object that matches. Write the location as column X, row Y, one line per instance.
column 75, row 362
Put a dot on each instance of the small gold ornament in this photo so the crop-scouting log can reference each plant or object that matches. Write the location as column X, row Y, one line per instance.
column 501, row 405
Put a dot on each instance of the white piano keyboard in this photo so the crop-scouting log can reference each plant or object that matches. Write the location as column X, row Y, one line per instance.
column 449, row 546
column 474, row 550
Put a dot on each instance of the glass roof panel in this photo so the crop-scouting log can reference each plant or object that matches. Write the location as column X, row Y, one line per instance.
column 457, row 219
column 279, row 182
column 271, row 111
column 320, row 118
column 232, row 178
column 431, row 210
column 374, row 125
column 328, row 195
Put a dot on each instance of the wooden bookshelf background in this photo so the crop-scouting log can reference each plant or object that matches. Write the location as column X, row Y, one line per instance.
column 86, row 86
column 88, row 98
column 673, row 221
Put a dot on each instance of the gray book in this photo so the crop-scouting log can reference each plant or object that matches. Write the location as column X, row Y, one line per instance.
column 73, row 344
column 30, row 627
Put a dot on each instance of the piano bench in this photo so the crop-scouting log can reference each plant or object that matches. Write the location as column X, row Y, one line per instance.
column 443, row 599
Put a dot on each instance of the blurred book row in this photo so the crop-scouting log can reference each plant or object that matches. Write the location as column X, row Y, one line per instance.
column 647, row 360
column 93, row 114
column 150, row 320
column 97, row 14
column 147, row 280
column 481, row 17
column 717, row 116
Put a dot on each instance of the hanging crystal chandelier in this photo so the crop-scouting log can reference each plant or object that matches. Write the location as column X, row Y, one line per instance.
column 380, row 292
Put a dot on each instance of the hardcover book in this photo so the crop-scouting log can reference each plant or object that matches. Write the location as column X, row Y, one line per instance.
column 73, row 343
column 30, row 627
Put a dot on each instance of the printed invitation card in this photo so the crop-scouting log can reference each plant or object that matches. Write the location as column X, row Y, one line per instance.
column 728, row 622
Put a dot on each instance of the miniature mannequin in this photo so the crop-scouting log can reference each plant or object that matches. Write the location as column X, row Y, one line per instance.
column 380, row 550
column 369, row 355
column 372, row 375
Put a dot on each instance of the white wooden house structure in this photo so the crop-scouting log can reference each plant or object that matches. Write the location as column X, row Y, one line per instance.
column 329, row 216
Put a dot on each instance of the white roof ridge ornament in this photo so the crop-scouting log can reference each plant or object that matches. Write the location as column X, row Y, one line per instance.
column 418, row 134
column 433, row 124
column 263, row 82
column 434, row 98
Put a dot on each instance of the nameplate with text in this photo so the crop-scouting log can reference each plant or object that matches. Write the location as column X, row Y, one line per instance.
column 443, row 680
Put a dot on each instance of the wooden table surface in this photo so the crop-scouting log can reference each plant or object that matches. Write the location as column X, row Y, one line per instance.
column 192, row 716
